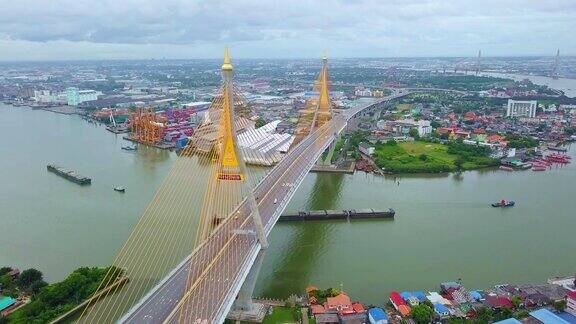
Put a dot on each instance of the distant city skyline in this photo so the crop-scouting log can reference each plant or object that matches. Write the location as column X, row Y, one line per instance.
column 178, row 29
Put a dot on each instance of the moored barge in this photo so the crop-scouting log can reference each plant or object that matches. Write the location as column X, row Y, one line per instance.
column 69, row 174
column 339, row 214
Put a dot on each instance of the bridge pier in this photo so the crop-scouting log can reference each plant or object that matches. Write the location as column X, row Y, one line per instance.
column 244, row 299
column 244, row 308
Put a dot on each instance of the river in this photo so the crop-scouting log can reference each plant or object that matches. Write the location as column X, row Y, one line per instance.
column 568, row 86
column 444, row 229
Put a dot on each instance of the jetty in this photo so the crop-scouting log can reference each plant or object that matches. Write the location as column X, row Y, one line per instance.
column 367, row 213
column 69, row 174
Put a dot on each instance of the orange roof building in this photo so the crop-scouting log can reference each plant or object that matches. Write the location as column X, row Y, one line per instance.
column 317, row 309
column 339, row 303
column 358, row 308
column 404, row 310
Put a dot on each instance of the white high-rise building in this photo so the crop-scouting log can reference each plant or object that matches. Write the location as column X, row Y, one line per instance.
column 519, row 108
column 76, row 97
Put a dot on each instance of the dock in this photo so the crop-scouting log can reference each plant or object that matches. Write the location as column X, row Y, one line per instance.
column 69, row 174
column 314, row 215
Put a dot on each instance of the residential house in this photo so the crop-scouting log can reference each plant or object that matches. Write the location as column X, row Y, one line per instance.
column 338, row 304
column 571, row 303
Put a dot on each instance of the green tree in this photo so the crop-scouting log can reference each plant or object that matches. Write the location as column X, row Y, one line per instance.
column 423, row 157
column 560, row 305
column 413, row 133
column 392, row 142
column 27, row 277
column 516, row 301
column 422, row 313
column 502, row 314
column 484, row 314
column 459, row 162
column 6, row 281
column 5, row 270
column 36, row 286
column 260, row 122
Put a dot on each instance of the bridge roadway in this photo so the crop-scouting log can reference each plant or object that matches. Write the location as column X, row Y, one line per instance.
column 217, row 268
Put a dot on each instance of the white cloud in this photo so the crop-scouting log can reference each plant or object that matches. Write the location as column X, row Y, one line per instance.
column 274, row 28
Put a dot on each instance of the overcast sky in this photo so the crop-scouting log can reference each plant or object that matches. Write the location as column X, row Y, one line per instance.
column 124, row 29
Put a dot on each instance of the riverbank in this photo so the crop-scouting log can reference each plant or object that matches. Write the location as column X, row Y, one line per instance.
column 38, row 302
column 568, row 86
column 450, row 302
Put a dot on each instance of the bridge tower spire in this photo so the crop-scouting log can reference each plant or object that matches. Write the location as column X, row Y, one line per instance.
column 555, row 73
column 317, row 110
column 478, row 62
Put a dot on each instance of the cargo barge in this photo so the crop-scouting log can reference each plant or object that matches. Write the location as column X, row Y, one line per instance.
column 339, row 214
column 69, row 174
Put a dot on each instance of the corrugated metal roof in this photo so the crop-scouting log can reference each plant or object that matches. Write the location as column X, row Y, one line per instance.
column 508, row 321
column 547, row 317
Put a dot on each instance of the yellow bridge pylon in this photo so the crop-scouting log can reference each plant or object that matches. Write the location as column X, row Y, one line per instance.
column 317, row 111
column 228, row 185
column 206, row 185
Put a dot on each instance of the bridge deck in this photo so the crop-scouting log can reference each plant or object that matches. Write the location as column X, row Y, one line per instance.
column 218, row 267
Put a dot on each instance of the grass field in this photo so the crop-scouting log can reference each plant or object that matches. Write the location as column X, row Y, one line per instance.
column 280, row 315
column 404, row 107
column 434, row 150
column 425, row 157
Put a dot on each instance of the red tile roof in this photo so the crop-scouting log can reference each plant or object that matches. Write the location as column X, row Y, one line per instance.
column 358, row 308
column 499, row 301
column 396, row 298
column 339, row 302
column 317, row 309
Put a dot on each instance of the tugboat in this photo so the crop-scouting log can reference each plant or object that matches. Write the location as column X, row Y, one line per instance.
column 503, row 203
column 120, row 189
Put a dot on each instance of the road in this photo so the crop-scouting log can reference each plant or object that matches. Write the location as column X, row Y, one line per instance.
column 217, row 268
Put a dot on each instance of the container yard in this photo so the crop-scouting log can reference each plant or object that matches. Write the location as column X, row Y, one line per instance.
column 69, row 174
column 164, row 129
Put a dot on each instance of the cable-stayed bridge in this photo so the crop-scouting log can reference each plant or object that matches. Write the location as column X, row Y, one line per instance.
column 215, row 207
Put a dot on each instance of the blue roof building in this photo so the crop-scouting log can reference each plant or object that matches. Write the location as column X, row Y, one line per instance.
column 405, row 295
column 420, row 295
column 377, row 315
column 508, row 321
column 476, row 295
column 6, row 302
column 441, row 309
column 568, row 317
column 547, row 317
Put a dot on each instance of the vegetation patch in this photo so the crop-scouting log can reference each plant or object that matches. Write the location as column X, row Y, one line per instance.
column 283, row 315
column 56, row 299
column 428, row 157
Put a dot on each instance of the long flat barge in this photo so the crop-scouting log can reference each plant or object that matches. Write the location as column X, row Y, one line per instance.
column 367, row 213
column 69, row 174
